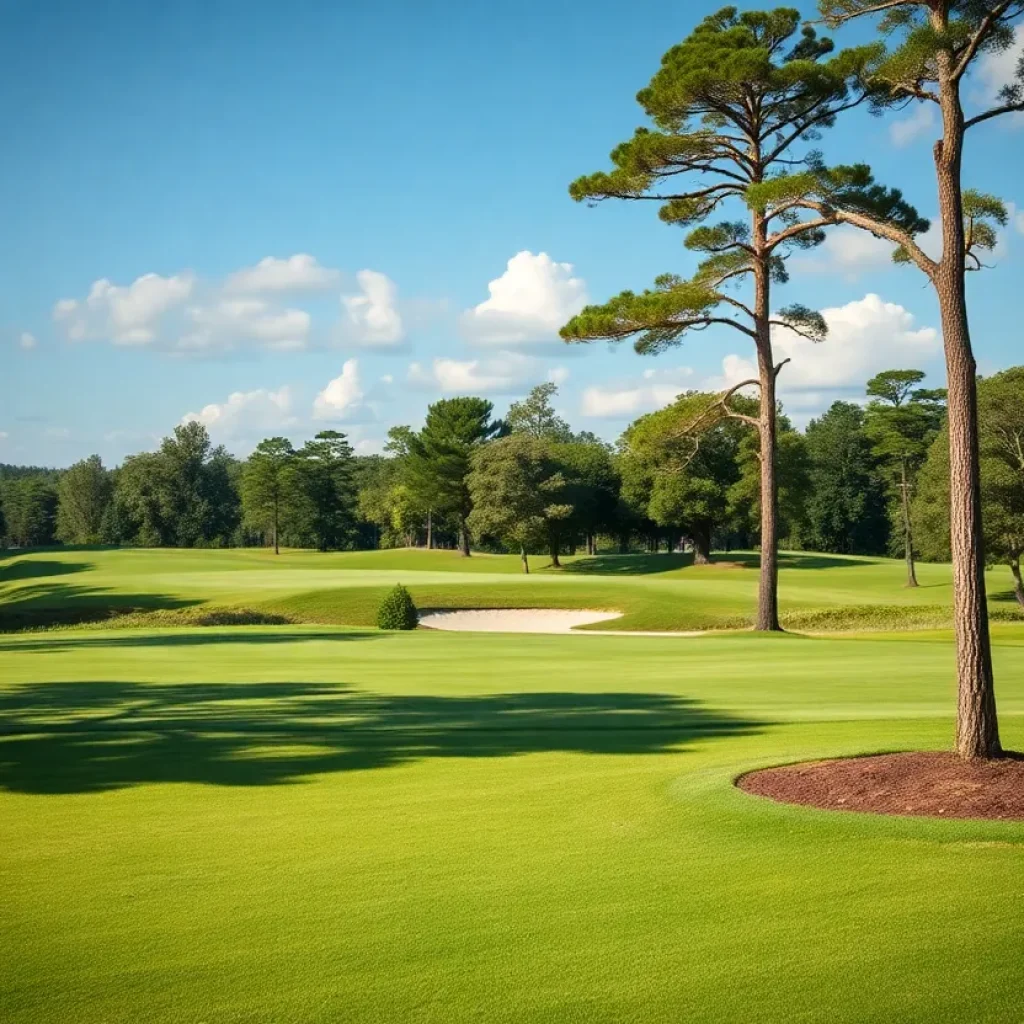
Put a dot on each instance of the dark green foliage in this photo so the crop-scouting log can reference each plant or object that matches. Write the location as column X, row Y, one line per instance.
column 845, row 510
column 83, row 498
column 184, row 495
column 397, row 610
column 30, row 510
column 268, row 488
column 519, row 494
column 437, row 459
column 1001, row 423
column 326, row 499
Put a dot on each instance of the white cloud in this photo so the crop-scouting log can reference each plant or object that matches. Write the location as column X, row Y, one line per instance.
column 505, row 373
column 531, row 300
column 298, row 273
column 1018, row 221
column 231, row 321
column 865, row 337
column 27, row 340
column 372, row 317
column 343, row 396
column 998, row 69
column 558, row 375
column 4, row 435
column 848, row 251
column 656, row 389
column 908, row 129
column 127, row 315
column 246, row 414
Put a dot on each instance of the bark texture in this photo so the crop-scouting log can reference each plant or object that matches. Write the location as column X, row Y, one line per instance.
column 977, row 728
column 908, row 532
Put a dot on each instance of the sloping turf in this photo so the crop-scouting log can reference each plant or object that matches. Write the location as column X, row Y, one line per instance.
column 818, row 592
column 308, row 824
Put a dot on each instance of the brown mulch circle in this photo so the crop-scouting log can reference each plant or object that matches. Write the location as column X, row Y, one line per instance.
column 932, row 784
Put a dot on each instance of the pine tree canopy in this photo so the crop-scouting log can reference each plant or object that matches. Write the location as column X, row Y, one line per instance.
column 937, row 39
column 733, row 107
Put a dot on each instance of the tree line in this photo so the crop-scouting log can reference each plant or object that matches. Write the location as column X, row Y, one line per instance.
column 868, row 479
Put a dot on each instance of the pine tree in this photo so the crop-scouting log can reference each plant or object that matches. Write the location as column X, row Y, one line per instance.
column 938, row 43
column 733, row 105
column 902, row 422
column 268, row 486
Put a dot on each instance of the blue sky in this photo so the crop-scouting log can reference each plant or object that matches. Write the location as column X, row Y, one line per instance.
column 284, row 217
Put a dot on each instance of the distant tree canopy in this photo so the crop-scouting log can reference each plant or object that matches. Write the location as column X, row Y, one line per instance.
column 845, row 509
column 84, row 494
column 1001, row 422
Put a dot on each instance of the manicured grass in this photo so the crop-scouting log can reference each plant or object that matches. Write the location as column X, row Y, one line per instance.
column 818, row 592
column 312, row 824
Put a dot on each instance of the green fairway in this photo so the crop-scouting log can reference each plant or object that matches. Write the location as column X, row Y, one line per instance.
column 312, row 823
column 659, row 592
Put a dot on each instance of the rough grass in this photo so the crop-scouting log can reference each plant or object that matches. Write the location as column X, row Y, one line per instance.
column 312, row 824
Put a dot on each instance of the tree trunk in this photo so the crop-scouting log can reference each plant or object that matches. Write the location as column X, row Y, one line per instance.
column 555, row 563
column 908, row 535
column 768, row 586
column 277, row 549
column 430, row 529
column 463, row 539
column 701, row 539
column 1018, row 584
column 977, row 727
column 526, row 561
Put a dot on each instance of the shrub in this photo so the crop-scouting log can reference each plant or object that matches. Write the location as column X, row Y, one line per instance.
column 397, row 610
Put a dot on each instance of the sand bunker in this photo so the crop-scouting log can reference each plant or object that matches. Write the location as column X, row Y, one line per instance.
column 528, row 620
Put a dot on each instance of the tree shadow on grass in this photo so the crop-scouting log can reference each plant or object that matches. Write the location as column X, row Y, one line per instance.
column 63, row 604
column 33, row 568
column 650, row 565
column 88, row 737
column 55, row 643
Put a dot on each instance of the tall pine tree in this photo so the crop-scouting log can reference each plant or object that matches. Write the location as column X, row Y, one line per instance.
column 733, row 105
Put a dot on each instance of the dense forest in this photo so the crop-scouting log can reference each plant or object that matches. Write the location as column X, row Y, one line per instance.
column 867, row 478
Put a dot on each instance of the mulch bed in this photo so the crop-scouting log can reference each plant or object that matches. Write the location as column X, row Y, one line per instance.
column 931, row 784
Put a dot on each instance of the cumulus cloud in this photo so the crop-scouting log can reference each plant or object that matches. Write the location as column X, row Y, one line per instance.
column 127, row 315
column 506, row 373
column 865, row 337
column 847, row 251
column 531, row 300
column 655, row 389
column 371, row 317
column 228, row 322
column 298, row 273
column 246, row 414
column 997, row 69
column 27, row 340
column 343, row 397
column 920, row 121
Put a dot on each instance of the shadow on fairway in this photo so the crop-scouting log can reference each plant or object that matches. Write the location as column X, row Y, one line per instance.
column 54, row 643
column 64, row 604
column 88, row 737
column 650, row 565
column 31, row 568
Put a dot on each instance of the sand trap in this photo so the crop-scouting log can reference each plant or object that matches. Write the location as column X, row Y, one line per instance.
column 529, row 620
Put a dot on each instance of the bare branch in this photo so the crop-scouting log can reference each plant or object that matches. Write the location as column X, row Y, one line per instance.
column 739, row 305
column 779, row 366
column 1007, row 108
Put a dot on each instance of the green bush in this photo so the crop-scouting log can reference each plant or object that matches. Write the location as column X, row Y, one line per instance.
column 397, row 610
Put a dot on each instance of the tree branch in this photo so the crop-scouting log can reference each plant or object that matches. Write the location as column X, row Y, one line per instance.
column 879, row 228
column 979, row 37
column 1007, row 108
column 796, row 229
column 795, row 330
